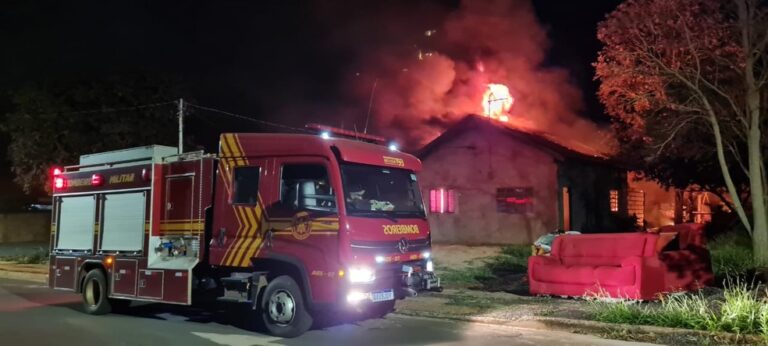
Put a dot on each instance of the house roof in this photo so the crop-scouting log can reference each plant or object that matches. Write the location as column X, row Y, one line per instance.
column 535, row 139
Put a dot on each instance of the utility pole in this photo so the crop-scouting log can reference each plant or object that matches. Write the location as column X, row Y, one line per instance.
column 370, row 105
column 181, row 125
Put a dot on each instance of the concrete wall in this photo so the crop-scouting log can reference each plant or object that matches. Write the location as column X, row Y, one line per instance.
column 475, row 164
column 25, row 227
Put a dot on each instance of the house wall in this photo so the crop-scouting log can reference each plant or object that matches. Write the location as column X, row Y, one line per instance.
column 25, row 227
column 475, row 164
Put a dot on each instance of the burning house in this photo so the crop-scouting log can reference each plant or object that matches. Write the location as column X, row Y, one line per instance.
column 487, row 182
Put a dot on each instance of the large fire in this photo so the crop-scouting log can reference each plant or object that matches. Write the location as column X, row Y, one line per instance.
column 497, row 102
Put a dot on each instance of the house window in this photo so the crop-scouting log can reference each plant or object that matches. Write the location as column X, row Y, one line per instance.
column 442, row 201
column 514, row 200
column 246, row 181
column 614, row 200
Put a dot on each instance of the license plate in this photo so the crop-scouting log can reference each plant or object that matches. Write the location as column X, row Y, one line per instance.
column 381, row 296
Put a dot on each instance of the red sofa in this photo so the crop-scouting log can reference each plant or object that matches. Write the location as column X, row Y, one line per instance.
column 623, row 265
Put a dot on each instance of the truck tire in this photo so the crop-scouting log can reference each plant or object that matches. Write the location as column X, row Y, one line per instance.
column 95, row 294
column 282, row 309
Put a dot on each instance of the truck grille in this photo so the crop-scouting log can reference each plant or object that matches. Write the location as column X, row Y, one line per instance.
column 379, row 247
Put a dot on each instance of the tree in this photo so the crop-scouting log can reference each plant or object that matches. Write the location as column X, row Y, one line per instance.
column 687, row 79
column 55, row 124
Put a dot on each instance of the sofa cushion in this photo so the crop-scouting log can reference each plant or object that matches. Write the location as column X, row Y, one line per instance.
column 592, row 261
column 615, row 276
column 603, row 249
column 564, row 274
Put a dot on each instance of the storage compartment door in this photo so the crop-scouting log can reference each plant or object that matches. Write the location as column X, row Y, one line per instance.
column 124, row 277
column 123, row 225
column 151, row 284
column 77, row 216
column 65, row 273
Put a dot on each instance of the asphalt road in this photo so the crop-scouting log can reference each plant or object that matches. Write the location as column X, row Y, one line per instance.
column 31, row 314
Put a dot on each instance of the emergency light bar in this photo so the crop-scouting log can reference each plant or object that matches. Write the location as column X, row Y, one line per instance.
column 327, row 131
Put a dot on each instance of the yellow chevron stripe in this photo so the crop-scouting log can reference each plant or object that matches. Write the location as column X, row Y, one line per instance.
column 252, row 249
column 255, row 248
column 232, row 145
column 248, row 237
column 238, row 236
column 239, row 146
column 245, row 238
column 223, row 145
column 224, row 171
column 234, row 149
column 229, row 249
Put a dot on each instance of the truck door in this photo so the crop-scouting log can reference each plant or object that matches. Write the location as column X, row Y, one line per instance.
column 238, row 213
column 304, row 220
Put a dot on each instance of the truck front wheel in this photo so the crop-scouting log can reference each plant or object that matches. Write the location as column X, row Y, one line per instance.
column 282, row 308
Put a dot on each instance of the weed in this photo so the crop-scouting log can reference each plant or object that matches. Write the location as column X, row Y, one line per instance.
column 742, row 310
column 512, row 259
column 39, row 256
column 732, row 254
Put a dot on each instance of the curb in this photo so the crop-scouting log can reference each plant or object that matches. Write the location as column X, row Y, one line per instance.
column 23, row 272
column 636, row 332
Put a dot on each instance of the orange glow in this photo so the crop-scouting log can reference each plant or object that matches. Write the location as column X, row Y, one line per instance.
column 108, row 260
column 497, row 102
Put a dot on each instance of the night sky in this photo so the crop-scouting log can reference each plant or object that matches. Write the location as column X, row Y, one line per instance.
column 274, row 60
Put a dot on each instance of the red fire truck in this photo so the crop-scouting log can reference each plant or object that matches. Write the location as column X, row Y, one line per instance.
column 291, row 224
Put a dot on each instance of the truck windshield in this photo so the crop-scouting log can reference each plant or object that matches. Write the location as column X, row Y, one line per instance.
column 373, row 191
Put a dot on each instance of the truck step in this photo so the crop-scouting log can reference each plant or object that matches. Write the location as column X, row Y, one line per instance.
column 234, row 297
column 239, row 287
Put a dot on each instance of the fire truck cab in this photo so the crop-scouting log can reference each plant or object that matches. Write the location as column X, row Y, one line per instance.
column 291, row 224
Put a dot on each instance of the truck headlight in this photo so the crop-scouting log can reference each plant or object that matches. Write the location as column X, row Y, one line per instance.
column 361, row 275
column 430, row 267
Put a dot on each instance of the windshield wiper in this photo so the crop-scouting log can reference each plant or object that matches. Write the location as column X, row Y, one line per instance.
column 374, row 213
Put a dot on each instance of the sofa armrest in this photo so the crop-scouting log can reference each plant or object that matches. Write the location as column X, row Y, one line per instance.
column 543, row 260
column 649, row 274
column 534, row 262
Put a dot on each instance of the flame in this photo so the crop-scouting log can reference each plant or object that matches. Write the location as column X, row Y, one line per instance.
column 497, row 101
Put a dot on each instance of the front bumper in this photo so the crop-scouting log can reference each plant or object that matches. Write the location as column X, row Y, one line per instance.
column 403, row 279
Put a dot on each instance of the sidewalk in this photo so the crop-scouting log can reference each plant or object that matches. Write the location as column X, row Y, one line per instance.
column 499, row 308
column 556, row 314
column 30, row 272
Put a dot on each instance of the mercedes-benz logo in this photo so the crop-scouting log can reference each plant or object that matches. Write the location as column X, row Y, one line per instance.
column 402, row 245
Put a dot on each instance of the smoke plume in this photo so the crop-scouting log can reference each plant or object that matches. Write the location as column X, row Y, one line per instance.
column 424, row 83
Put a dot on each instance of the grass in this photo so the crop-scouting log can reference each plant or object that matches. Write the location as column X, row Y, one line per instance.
column 512, row 259
column 39, row 256
column 731, row 254
column 743, row 309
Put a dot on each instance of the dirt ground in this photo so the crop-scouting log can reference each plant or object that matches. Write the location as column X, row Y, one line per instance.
column 461, row 256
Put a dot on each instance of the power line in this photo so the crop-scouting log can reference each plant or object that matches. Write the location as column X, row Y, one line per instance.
column 111, row 110
column 247, row 118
